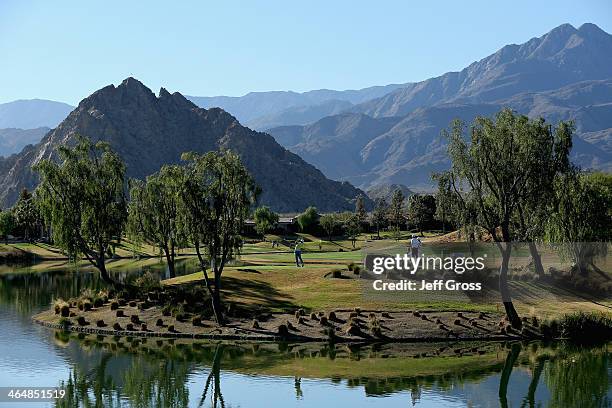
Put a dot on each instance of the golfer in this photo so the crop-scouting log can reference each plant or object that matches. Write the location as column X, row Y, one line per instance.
column 415, row 244
column 298, row 252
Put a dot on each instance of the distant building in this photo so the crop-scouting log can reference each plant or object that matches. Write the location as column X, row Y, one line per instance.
column 286, row 225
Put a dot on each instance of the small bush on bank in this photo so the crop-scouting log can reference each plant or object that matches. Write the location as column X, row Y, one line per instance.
column 584, row 327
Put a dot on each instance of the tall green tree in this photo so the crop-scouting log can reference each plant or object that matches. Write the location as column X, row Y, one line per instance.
column 497, row 170
column 27, row 215
column 396, row 212
column 308, row 220
column 7, row 224
column 218, row 193
column 581, row 220
column 360, row 209
column 329, row 222
column 154, row 212
column 83, row 199
column 265, row 220
column 379, row 214
column 352, row 226
column 421, row 210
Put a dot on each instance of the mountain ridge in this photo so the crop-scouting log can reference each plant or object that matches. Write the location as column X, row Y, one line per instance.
column 149, row 131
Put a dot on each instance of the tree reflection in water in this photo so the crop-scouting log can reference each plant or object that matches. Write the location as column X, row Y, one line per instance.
column 155, row 372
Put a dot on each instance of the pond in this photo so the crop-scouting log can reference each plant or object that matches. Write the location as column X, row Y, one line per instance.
column 113, row 371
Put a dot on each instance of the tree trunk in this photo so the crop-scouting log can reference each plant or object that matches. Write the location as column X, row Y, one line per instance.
column 216, row 300
column 537, row 259
column 170, row 259
column 505, row 249
column 505, row 377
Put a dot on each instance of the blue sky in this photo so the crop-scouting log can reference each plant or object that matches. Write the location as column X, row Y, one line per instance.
column 64, row 50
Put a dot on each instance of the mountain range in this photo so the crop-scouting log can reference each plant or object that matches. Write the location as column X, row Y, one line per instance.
column 390, row 134
column 12, row 140
column 563, row 75
column 149, row 131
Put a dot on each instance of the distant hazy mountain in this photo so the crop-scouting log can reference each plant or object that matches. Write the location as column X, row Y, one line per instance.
column 253, row 108
column 13, row 140
column 299, row 115
column 369, row 151
column 386, row 191
column 563, row 75
column 563, row 56
column 33, row 113
column 149, row 131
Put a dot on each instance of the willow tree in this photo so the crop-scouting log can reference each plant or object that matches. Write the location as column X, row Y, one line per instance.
column 500, row 170
column 82, row 198
column 217, row 193
column 154, row 212
column 396, row 212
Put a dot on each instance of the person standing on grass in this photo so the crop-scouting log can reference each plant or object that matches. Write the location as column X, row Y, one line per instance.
column 298, row 252
column 415, row 244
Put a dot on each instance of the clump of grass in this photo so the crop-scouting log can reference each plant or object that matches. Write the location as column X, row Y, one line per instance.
column 135, row 319
column 416, row 313
column 323, row 321
column 337, row 273
column 331, row 316
column 114, row 305
column 386, row 315
column 119, row 313
column 98, row 301
column 301, row 320
column 255, row 324
column 87, row 306
column 585, row 327
column 64, row 310
column 143, row 327
column 81, row 321
column 117, row 326
column 129, row 327
column 132, row 303
column 196, row 321
column 351, row 266
column 282, row 330
column 100, row 323
column 171, row 328
column 159, row 323
column 313, row 316
column 167, row 310
column 457, row 322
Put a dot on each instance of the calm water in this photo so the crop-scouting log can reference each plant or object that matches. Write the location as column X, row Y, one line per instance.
column 109, row 371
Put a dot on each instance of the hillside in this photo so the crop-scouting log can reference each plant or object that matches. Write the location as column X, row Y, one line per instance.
column 561, row 57
column 12, row 140
column 149, row 131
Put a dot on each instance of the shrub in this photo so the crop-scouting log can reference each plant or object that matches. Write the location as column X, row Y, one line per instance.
column 98, row 302
column 351, row 266
column 386, row 315
column 331, row 316
column 65, row 310
column 114, row 305
column 147, row 282
column 159, row 323
column 337, row 274
column 416, row 313
column 584, row 327
column 255, row 324
column 143, row 327
column 323, row 321
column 81, row 321
column 134, row 319
column 457, row 322
column 132, row 303
column 129, row 327
column 100, row 323
column 167, row 310
column 313, row 316
column 357, row 310
column 196, row 321
column 282, row 330
column 300, row 320
column 117, row 326
column 87, row 305
column 356, row 270
column 171, row 328
column 119, row 313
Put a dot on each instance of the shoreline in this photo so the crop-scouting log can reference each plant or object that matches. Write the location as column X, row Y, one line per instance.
column 392, row 326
